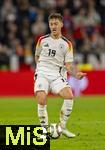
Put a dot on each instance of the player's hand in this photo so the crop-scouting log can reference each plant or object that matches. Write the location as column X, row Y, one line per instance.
column 80, row 75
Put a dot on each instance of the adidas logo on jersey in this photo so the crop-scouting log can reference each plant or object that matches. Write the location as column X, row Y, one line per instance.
column 46, row 45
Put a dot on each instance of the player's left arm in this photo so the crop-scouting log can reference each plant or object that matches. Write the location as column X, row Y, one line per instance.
column 74, row 71
column 71, row 68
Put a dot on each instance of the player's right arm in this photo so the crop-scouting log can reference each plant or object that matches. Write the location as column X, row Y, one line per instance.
column 38, row 50
column 36, row 59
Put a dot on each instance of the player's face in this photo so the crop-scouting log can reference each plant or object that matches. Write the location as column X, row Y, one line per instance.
column 55, row 26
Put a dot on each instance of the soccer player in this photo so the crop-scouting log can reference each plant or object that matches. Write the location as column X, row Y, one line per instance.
column 53, row 54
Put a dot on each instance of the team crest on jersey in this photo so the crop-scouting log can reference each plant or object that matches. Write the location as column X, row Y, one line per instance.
column 61, row 46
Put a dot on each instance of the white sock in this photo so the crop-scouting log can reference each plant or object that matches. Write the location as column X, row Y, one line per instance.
column 65, row 112
column 42, row 114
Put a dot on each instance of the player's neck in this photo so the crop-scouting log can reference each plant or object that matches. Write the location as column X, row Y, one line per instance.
column 56, row 36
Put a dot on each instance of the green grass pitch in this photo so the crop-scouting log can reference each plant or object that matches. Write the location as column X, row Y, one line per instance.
column 87, row 120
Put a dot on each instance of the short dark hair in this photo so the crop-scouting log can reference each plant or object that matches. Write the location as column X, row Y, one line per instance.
column 55, row 16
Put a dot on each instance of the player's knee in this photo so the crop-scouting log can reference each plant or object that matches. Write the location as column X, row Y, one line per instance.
column 41, row 97
column 66, row 93
column 69, row 96
column 41, row 102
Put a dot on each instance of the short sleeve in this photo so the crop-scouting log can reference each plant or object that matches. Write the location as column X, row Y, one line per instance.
column 38, row 48
column 69, row 52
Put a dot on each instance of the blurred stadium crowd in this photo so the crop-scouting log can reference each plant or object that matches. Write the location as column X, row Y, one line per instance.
column 22, row 22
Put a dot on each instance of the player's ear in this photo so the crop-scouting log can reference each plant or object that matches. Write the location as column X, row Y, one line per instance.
column 61, row 24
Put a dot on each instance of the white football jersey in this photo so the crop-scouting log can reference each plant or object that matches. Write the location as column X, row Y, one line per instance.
column 53, row 53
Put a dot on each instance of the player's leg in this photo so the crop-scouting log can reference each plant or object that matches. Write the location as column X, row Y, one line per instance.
column 66, row 94
column 61, row 87
column 41, row 90
column 42, row 107
column 67, row 106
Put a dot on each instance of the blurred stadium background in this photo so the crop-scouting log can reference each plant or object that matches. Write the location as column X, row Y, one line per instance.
column 22, row 22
